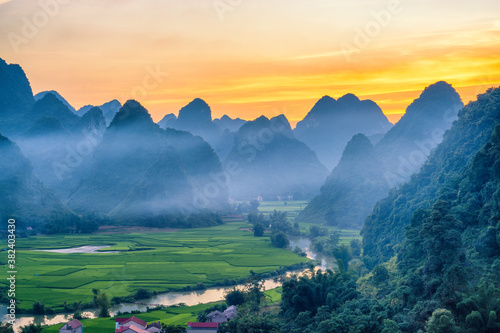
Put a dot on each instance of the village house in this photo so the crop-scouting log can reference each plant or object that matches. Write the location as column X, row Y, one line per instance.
column 74, row 326
column 132, row 325
column 154, row 327
column 202, row 327
column 221, row 317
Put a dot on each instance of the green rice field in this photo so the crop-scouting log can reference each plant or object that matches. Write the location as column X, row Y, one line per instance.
column 293, row 208
column 157, row 261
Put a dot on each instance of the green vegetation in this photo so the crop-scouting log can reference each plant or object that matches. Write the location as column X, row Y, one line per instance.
column 440, row 176
column 433, row 248
column 159, row 262
column 173, row 315
column 292, row 208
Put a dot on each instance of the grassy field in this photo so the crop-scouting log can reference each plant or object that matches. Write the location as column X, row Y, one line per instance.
column 157, row 261
column 172, row 315
column 293, row 208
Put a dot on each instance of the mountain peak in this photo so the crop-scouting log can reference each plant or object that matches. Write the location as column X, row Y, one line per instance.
column 16, row 96
column 349, row 99
column 323, row 105
column 51, row 106
column 440, row 87
column 94, row 119
column 359, row 144
column 326, row 98
column 439, row 100
column 42, row 94
column 166, row 120
column 196, row 111
column 131, row 112
column 282, row 120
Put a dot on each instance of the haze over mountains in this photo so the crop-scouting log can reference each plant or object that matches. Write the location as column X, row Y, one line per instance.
column 173, row 165
column 366, row 173
column 22, row 194
column 268, row 161
column 332, row 123
column 114, row 161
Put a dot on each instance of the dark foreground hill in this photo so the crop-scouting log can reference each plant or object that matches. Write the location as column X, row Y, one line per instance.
column 440, row 177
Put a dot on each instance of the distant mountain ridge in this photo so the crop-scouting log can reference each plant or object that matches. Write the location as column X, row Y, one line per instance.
column 132, row 137
column 351, row 190
column 332, row 123
column 109, row 110
column 366, row 173
column 22, row 194
column 270, row 162
column 196, row 118
column 227, row 123
column 42, row 94
column 16, row 99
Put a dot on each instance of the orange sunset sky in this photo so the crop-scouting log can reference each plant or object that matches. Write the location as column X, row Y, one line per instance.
column 251, row 57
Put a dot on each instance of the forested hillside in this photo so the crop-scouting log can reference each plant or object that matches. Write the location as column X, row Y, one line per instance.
column 442, row 173
column 431, row 257
column 365, row 174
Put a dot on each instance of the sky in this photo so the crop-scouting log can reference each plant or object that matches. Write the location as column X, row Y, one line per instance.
column 246, row 58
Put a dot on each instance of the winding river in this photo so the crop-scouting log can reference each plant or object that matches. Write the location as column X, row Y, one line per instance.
column 188, row 298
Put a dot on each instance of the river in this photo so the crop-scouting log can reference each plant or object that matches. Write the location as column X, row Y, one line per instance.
column 188, row 298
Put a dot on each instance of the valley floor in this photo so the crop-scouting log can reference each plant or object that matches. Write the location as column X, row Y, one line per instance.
column 162, row 261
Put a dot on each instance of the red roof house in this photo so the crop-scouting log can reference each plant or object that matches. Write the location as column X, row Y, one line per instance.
column 202, row 327
column 74, row 326
column 122, row 323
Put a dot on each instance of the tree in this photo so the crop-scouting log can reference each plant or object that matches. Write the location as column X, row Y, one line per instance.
column 258, row 230
column 441, row 321
column 255, row 218
column 279, row 239
column 334, row 239
column 38, row 308
column 343, row 253
column 86, row 225
column 279, row 222
column 266, row 323
column 356, row 246
column 255, row 287
column 172, row 328
column 235, row 297
column 6, row 328
column 390, row 326
column 380, row 274
column 102, row 301
column 77, row 315
column 318, row 246
column 317, row 231
column 254, row 205
column 31, row 328
column 142, row 293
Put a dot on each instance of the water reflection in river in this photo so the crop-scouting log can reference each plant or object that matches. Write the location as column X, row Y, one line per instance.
column 187, row 298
